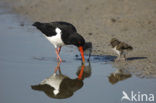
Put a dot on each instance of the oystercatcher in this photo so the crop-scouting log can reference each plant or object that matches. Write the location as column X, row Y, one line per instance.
column 121, row 48
column 61, row 33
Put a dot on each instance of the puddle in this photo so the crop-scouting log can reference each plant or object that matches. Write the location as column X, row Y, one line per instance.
column 28, row 64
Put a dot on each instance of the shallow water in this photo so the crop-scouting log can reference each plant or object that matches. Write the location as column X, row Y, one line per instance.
column 27, row 58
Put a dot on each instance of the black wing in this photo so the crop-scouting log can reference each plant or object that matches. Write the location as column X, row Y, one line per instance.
column 68, row 27
column 49, row 28
column 125, row 46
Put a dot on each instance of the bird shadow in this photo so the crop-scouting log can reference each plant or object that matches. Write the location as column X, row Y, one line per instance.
column 108, row 58
column 136, row 58
column 93, row 58
column 105, row 58
column 99, row 58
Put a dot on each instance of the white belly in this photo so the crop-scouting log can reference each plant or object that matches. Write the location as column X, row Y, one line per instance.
column 56, row 41
column 117, row 51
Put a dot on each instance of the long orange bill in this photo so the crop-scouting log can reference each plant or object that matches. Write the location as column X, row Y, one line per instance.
column 82, row 54
column 81, row 73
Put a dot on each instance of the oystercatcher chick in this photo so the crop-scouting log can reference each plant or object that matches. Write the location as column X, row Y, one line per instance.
column 60, row 34
column 121, row 48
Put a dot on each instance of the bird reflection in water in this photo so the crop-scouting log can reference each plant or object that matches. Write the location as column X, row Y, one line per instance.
column 118, row 75
column 60, row 86
column 86, row 71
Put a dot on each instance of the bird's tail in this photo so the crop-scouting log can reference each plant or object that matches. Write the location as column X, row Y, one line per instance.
column 130, row 48
column 37, row 87
column 36, row 24
column 40, row 87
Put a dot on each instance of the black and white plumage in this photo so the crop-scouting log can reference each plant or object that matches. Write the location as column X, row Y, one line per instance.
column 60, row 34
column 59, row 85
column 121, row 48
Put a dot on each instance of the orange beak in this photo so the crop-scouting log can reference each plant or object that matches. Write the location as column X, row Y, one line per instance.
column 82, row 54
column 81, row 72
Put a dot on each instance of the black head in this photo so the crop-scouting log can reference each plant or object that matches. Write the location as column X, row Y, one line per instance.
column 114, row 42
column 77, row 40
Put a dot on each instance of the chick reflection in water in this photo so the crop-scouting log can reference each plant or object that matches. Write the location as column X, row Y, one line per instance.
column 118, row 75
column 60, row 86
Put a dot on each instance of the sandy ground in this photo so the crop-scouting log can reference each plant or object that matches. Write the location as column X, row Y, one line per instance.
column 132, row 21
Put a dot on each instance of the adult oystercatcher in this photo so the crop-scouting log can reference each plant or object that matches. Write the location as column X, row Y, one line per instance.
column 121, row 48
column 61, row 33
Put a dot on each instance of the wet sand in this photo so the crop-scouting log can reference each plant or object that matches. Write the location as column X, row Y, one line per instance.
column 98, row 21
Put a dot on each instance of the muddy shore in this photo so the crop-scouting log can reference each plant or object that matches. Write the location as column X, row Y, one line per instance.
column 131, row 21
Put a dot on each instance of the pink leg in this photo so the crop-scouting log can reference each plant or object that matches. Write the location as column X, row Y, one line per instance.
column 57, row 53
column 59, row 49
column 57, row 67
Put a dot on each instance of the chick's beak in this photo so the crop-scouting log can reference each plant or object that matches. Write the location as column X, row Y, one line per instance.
column 82, row 54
